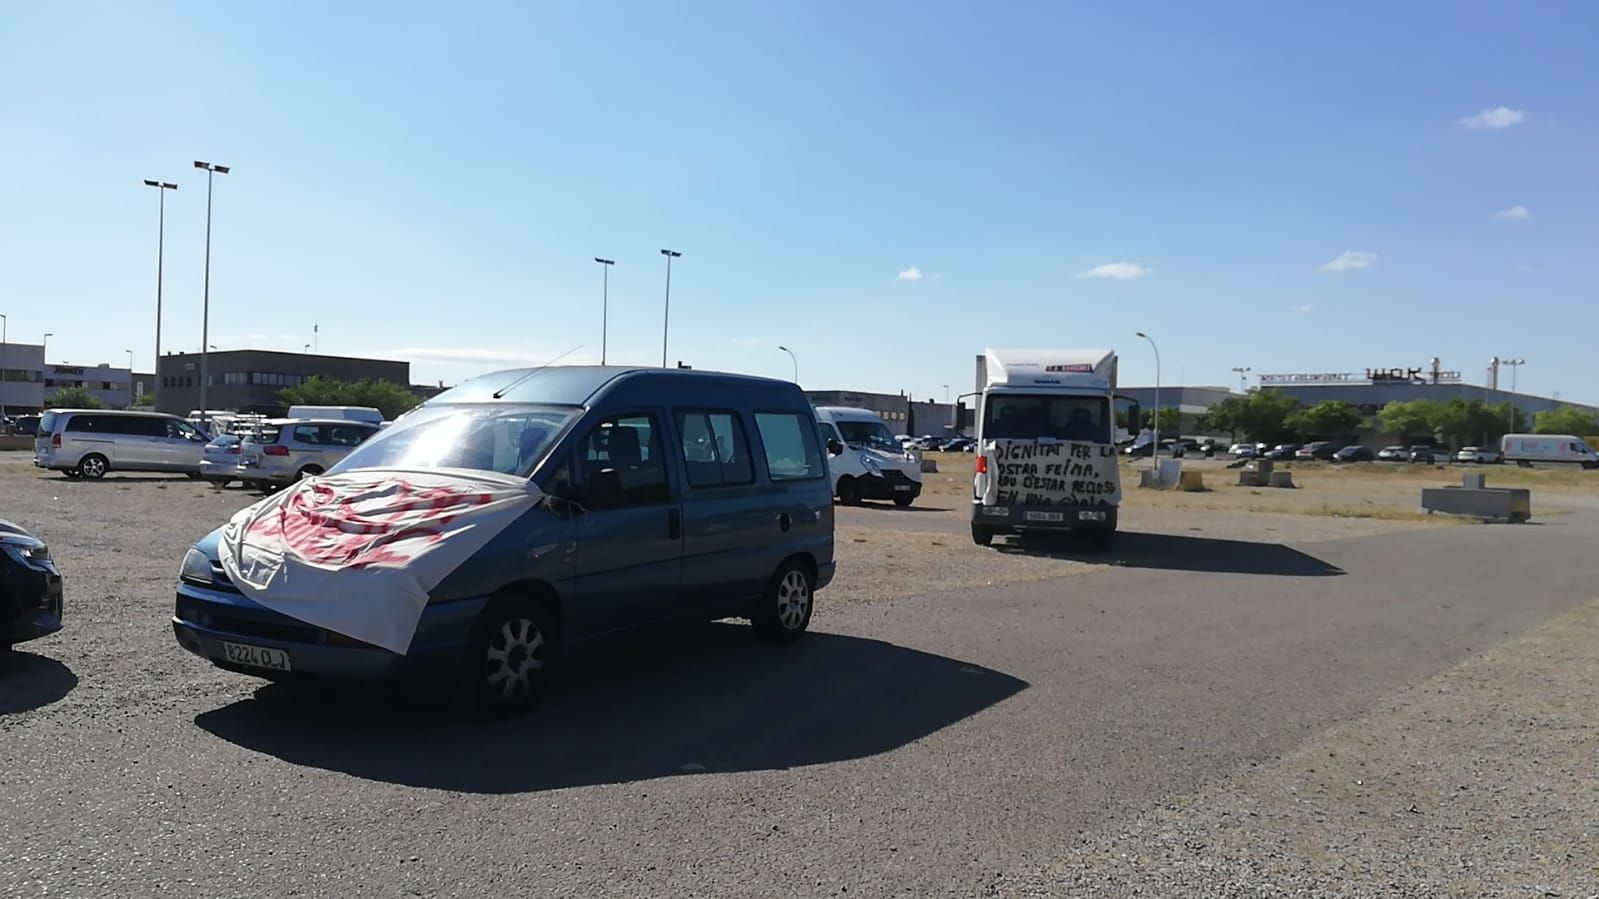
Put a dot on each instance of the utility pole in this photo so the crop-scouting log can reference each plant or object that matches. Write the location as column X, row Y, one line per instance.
column 605, row 303
column 211, row 170
column 666, row 321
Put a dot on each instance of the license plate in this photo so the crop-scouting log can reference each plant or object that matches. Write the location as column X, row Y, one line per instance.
column 903, row 488
column 255, row 656
column 1045, row 516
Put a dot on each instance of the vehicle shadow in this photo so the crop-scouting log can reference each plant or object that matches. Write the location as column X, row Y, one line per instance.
column 115, row 478
column 712, row 699
column 887, row 506
column 29, row 681
column 1179, row 553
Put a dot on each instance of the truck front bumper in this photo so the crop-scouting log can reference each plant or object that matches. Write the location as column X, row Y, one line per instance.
column 1003, row 519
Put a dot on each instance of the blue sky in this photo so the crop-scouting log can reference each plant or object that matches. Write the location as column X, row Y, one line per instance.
column 886, row 188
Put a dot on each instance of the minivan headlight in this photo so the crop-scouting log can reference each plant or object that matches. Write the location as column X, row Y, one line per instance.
column 196, row 567
column 869, row 463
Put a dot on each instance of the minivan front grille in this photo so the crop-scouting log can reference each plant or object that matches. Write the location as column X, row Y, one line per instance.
column 895, row 476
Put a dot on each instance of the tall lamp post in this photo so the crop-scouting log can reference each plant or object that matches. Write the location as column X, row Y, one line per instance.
column 666, row 321
column 1154, row 451
column 160, row 252
column 3, row 323
column 1515, row 366
column 44, row 353
column 211, row 170
column 605, row 303
column 1243, row 377
column 792, row 359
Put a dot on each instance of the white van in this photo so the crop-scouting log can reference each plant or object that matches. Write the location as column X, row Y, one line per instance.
column 865, row 459
column 87, row 443
column 1525, row 449
column 343, row 413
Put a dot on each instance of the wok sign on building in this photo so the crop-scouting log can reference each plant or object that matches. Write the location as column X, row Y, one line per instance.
column 1408, row 375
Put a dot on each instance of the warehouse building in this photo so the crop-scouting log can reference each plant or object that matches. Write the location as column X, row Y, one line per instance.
column 903, row 414
column 251, row 380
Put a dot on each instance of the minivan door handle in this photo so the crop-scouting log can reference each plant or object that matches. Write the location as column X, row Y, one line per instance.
column 674, row 524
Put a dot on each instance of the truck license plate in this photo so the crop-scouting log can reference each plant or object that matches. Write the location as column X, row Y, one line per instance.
column 1045, row 516
column 255, row 656
column 903, row 488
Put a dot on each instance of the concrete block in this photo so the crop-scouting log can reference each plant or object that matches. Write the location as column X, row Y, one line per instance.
column 1474, row 480
column 1513, row 504
column 1282, row 479
column 929, row 466
column 1191, row 481
column 1149, row 478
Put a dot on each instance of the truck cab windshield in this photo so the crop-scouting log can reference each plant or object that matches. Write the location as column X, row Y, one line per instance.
column 871, row 434
column 1031, row 416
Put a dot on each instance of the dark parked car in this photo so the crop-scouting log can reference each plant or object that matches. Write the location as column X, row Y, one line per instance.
column 1427, row 455
column 25, row 425
column 958, row 445
column 1283, row 452
column 1322, row 450
column 1355, row 454
column 30, row 588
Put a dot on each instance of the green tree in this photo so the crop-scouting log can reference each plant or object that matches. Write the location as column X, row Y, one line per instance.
column 74, row 398
column 1566, row 420
column 1170, row 420
column 388, row 397
column 1331, row 418
column 144, row 399
column 1266, row 416
column 1410, row 418
column 1228, row 415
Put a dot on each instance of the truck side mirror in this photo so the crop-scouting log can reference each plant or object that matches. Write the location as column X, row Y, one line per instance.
column 1134, row 418
column 834, row 447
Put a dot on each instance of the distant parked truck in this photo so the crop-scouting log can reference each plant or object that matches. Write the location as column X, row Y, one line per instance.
column 1525, row 449
column 345, row 413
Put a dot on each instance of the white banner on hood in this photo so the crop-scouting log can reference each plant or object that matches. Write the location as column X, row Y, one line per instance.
column 358, row 552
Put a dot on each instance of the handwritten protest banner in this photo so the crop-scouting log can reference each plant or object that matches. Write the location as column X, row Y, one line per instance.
column 1029, row 473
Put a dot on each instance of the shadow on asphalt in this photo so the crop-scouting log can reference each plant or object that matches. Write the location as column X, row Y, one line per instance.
column 887, row 506
column 707, row 699
column 1178, row 553
column 29, row 682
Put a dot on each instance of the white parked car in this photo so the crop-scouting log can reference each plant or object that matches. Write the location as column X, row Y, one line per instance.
column 1394, row 454
column 1478, row 456
column 1242, row 450
column 865, row 460
column 287, row 450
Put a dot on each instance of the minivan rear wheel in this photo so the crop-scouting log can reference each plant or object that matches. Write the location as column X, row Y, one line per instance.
column 93, row 466
column 785, row 609
column 507, row 658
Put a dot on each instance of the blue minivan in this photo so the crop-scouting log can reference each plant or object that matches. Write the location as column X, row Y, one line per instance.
column 665, row 496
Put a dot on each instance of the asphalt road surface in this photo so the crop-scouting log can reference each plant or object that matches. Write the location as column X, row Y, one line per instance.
column 934, row 745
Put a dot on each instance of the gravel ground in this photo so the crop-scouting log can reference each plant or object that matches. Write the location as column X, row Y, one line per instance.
column 1477, row 782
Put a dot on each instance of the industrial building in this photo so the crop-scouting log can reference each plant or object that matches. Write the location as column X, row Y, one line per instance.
column 29, row 385
column 251, row 380
column 903, row 414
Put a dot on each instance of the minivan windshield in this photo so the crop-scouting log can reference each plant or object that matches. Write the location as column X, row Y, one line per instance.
column 1031, row 416
column 871, row 434
column 507, row 438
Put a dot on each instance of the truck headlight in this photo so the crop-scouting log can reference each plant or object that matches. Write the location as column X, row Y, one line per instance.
column 870, row 464
column 196, row 567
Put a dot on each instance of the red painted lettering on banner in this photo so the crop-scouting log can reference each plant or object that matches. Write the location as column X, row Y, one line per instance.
column 385, row 523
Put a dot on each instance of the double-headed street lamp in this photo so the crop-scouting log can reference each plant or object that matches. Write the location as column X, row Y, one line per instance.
column 666, row 321
column 211, row 170
column 605, row 303
column 1243, row 377
column 160, row 251
column 1154, row 451
column 1515, row 366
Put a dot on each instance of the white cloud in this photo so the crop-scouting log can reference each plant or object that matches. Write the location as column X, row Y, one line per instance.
column 1350, row 260
column 1116, row 271
column 746, row 343
column 1516, row 213
column 911, row 274
column 1494, row 119
column 1303, row 310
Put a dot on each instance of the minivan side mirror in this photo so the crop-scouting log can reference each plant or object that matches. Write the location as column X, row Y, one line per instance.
column 834, row 447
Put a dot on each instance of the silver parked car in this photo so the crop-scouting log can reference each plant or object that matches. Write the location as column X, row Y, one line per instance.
column 87, row 443
column 288, row 449
column 219, row 463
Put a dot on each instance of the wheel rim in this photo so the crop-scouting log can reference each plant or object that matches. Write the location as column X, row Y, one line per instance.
column 92, row 467
column 793, row 600
column 514, row 657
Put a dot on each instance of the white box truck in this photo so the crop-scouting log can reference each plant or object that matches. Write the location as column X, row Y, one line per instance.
column 1525, row 449
column 1046, row 443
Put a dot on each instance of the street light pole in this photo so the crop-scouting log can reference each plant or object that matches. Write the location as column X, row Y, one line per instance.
column 792, row 359
column 1515, row 367
column 1154, row 451
column 211, row 170
column 3, row 323
column 1243, row 378
column 160, row 253
column 44, row 354
column 666, row 321
column 605, row 303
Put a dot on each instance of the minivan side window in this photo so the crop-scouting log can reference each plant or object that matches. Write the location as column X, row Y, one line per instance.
column 346, row 435
column 715, row 451
column 180, row 430
column 308, row 434
column 792, row 453
column 622, row 463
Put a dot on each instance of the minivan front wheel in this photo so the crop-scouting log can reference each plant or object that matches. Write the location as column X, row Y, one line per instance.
column 785, row 610
column 848, row 493
column 93, row 466
column 507, row 659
